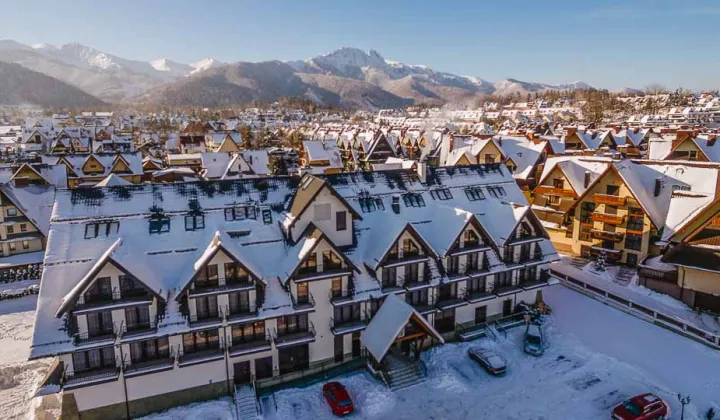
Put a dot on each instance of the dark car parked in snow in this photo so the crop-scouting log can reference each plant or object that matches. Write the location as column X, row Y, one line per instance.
column 488, row 359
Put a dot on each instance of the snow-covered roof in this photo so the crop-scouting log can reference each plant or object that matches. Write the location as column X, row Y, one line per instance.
column 388, row 322
column 35, row 201
column 575, row 167
column 113, row 180
column 165, row 261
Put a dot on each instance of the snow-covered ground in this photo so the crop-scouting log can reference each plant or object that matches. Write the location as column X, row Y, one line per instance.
column 18, row 376
column 597, row 356
column 633, row 291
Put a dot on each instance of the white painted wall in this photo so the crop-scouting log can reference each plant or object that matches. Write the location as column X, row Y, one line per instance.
column 339, row 238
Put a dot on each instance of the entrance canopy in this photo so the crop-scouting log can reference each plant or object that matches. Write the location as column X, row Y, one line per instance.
column 388, row 323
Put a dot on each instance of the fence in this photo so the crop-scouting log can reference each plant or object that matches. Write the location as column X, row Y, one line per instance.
column 667, row 321
column 314, row 373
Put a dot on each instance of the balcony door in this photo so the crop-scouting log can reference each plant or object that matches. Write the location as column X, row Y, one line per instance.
column 241, row 372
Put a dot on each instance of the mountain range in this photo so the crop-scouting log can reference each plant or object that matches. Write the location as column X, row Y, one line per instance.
column 346, row 77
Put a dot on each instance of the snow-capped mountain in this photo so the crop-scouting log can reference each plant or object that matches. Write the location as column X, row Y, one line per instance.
column 346, row 71
column 205, row 64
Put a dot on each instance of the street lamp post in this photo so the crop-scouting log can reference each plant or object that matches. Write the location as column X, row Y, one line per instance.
column 683, row 402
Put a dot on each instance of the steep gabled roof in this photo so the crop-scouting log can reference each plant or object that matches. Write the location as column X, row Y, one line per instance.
column 309, row 188
column 106, row 258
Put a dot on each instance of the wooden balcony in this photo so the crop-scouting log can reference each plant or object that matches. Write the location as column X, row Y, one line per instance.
column 605, row 235
column 544, row 189
column 612, row 219
column 612, row 200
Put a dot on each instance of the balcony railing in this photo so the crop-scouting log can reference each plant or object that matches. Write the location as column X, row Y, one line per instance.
column 292, row 337
column 342, row 295
column 343, row 326
column 138, row 328
column 95, row 299
column 95, row 337
column 303, row 302
column 612, row 219
column 543, row 189
column 131, row 294
column 205, row 319
column 476, row 295
column 246, row 346
column 612, row 200
column 603, row 234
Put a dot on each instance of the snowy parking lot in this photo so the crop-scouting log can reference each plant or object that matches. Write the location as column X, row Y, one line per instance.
column 597, row 356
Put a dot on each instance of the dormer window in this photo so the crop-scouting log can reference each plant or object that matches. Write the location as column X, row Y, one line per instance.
column 413, row 200
column 101, row 229
column 497, row 191
column 194, row 222
column 267, row 217
column 441, row 194
column 240, row 213
column 474, row 194
column 159, row 224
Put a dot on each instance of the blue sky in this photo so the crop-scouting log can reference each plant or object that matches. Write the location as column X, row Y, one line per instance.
column 607, row 43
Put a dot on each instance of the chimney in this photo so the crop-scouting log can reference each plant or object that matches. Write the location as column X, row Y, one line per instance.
column 711, row 140
column 421, row 168
column 500, row 141
column 586, row 181
column 396, row 204
column 658, row 186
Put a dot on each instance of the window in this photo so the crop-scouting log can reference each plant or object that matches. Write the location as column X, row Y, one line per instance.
column 10, row 229
column 636, row 219
column 470, row 238
column 692, row 155
column 26, row 244
column 418, row 297
column 453, row 265
column 410, row 249
column 411, row 273
column 341, row 220
column 194, row 222
column 101, row 229
column 201, row 340
column 322, row 212
column 559, row 183
column 310, row 264
column 612, row 190
column 474, row 194
column 11, row 211
column 331, row 261
column 206, row 307
column 389, row 277
column 13, row 246
column 137, row 317
column 477, row 285
column 553, row 199
column 235, row 272
column 497, row 191
column 23, row 227
column 239, row 302
column 633, row 242
column 159, row 224
column 677, row 187
column 413, row 200
column 489, row 158
column 267, row 217
column 99, row 323
column 473, row 261
column 141, row 351
column 586, row 209
column 367, row 205
column 247, row 333
column 336, row 287
column 291, row 324
column 94, row 359
column 99, row 290
column 302, row 292
column 441, row 194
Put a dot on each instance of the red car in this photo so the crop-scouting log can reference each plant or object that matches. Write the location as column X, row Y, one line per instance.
column 338, row 398
column 642, row 407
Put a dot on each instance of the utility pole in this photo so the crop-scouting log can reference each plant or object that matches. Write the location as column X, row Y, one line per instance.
column 683, row 401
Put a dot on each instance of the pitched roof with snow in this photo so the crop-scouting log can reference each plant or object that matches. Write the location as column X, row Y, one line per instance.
column 165, row 261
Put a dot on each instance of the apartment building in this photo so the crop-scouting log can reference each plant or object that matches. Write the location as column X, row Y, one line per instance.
column 174, row 293
column 24, row 223
column 623, row 212
column 689, row 269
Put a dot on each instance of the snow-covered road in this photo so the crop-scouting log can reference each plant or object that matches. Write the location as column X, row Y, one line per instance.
column 597, row 357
